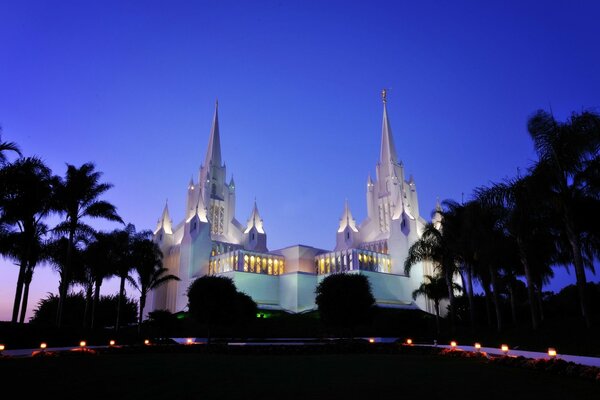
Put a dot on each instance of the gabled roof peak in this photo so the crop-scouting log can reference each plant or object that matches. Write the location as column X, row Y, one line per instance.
column 347, row 220
column 255, row 221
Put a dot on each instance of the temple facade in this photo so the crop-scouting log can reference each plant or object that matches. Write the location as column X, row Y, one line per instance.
column 211, row 241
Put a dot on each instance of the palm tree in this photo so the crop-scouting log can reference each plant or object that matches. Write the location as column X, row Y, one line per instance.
column 523, row 219
column 122, row 253
column 26, row 189
column 78, row 197
column 151, row 274
column 100, row 263
column 565, row 151
column 434, row 246
column 7, row 146
column 435, row 289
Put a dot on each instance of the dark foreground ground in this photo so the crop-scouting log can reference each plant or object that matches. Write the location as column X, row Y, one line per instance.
column 327, row 376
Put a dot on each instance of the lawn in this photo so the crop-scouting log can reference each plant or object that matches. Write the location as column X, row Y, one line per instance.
column 213, row 376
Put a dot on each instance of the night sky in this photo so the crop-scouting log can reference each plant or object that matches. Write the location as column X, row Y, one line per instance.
column 131, row 86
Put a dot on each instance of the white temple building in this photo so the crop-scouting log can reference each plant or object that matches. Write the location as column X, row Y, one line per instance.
column 210, row 240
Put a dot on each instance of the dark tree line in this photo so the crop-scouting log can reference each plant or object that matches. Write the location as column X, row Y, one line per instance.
column 29, row 194
column 521, row 228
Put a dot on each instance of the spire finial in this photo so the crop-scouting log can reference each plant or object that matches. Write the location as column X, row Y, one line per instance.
column 384, row 95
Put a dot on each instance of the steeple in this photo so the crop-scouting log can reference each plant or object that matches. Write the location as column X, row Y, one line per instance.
column 164, row 221
column 255, row 221
column 213, row 152
column 388, row 148
column 347, row 220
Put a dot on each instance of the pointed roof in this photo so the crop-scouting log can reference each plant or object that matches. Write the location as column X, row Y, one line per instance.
column 255, row 221
column 347, row 220
column 164, row 221
column 213, row 152
column 388, row 148
column 201, row 209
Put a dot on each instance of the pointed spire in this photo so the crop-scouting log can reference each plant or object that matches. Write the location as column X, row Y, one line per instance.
column 255, row 220
column 370, row 181
column 191, row 184
column 213, row 152
column 231, row 182
column 347, row 220
column 388, row 148
column 165, row 221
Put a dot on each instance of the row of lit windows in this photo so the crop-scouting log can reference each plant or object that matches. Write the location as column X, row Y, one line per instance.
column 263, row 265
column 216, row 216
column 341, row 262
column 251, row 263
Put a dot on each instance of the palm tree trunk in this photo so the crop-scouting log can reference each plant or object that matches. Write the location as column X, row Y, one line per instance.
column 488, row 306
column 529, row 279
column 513, row 306
column 95, row 303
column 19, row 291
column 437, row 317
column 64, row 285
column 88, row 302
column 540, row 302
column 119, row 303
column 470, row 295
column 141, row 316
column 579, row 267
column 495, row 291
column 28, row 277
column 450, row 297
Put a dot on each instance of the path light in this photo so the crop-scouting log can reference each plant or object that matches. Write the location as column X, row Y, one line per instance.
column 504, row 348
column 146, row 342
column 1, row 348
column 43, row 346
column 189, row 341
column 477, row 346
column 453, row 344
column 111, row 343
column 552, row 352
column 371, row 340
column 409, row 342
column 82, row 343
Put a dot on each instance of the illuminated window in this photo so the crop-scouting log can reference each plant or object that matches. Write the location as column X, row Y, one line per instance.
column 252, row 260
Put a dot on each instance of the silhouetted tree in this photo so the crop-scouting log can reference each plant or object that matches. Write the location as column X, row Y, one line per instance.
column 435, row 289
column 345, row 300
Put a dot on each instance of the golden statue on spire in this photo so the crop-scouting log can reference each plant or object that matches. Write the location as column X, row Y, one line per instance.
column 384, row 95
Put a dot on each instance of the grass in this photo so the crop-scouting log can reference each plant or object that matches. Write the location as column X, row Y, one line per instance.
column 213, row 376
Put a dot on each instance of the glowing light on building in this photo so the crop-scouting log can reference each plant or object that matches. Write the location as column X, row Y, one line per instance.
column 146, row 342
column 189, row 341
column 371, row 340
column 409, row 342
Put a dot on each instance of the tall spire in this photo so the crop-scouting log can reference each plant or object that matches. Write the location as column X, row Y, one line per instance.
column 213, row 152
column 164, row 221
column 388, row 148
column 347, row 220
column 255, row 220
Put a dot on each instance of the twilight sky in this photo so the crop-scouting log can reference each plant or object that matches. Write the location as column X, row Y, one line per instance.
column 131, row 85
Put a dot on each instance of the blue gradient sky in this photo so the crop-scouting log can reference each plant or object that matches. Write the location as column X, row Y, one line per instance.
column 131, row 86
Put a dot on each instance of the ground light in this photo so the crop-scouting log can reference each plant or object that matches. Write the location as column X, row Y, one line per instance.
column 82, row 343
column 1, row 348
column 371, row 340
column 409, row 342
column 146, row 342
column 190, row 341
column 477, row 346
column 504, row 348
column 111, row 343
column 43, row 346
column 552, row 352
column 453, row 344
